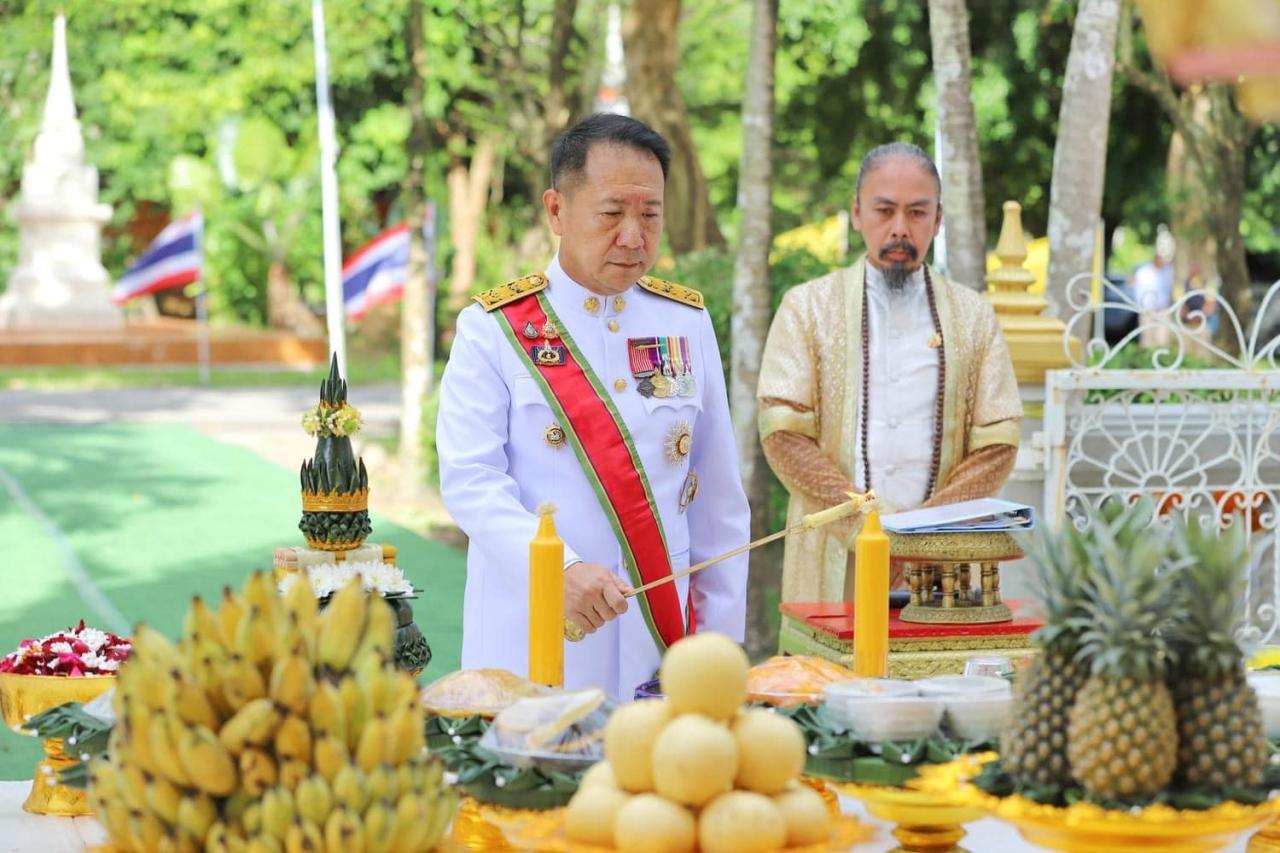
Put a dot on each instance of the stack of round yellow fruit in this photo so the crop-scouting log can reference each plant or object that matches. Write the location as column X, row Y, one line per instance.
column 271, row 727
column 697, row 770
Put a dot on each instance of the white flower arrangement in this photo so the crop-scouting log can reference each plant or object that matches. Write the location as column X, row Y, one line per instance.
column 336, row 421
column 327, row 578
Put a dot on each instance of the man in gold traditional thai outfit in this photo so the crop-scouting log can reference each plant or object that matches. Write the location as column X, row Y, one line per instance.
column 884, row 376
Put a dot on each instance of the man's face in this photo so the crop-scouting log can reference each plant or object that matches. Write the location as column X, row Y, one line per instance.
column 609, row 217
column 898, row 214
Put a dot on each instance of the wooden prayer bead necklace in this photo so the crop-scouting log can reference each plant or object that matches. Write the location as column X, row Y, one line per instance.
column 935, row 463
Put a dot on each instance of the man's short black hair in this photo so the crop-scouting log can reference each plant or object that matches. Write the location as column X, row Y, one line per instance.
column 569, row 151
column 877, row 155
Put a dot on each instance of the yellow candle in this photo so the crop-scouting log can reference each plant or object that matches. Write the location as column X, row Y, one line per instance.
column 546, row 602
column 871, row 600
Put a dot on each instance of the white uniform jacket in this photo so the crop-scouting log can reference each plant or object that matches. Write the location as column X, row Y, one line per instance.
column 497, row 466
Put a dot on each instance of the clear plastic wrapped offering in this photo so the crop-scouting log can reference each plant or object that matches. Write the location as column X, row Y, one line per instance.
column 788, row 680
column 477, row 692
column 559, row 731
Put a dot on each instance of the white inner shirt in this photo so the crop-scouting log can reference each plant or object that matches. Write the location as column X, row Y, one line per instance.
column 904, row 385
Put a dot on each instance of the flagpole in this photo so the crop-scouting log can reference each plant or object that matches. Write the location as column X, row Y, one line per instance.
column 334, row 309
column 202, row 307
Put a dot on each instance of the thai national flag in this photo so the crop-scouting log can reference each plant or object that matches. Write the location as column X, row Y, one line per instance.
column 174, row 258
column 375, row 274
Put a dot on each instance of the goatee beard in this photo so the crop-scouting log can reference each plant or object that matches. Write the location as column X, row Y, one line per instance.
column 896, row 277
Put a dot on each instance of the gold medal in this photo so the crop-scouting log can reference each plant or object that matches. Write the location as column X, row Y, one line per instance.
column 678, row 443
column 661, row 385
column 554, row 436
column 549, row 331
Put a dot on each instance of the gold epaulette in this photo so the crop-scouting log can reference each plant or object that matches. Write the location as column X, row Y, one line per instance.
column 503, row 294
column 671, row 290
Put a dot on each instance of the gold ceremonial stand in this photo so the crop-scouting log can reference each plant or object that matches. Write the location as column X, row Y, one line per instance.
column 939, row 568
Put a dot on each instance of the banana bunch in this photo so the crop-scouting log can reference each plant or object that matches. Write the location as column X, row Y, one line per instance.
column 271, row 727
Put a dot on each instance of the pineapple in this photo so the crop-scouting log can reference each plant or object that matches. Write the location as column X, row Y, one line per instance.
column 1221, row 740
column 1034, row 750
column 1122, row 734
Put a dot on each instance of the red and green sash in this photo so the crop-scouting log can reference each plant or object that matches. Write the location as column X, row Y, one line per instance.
column 609, row 459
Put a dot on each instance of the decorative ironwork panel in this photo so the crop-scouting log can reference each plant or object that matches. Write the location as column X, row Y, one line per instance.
column 1201, row 443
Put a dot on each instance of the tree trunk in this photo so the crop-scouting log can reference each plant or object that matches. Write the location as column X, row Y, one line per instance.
column 958, row 144
column 649, row 34
column 558, row 110
column 750, row 322
column 468, row 187
column 417, row 322
column 285, row 309
column 1080, row 155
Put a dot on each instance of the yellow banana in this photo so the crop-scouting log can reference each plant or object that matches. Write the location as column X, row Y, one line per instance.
column 343, row 832
column 355, row 708
column 200, row 623
column 292, row 682
column 300, row 603
column 371, row 751
column 164, row 798
column 257, row 771
column 196, row 814
column 277, row 812
column 220, row 839
column 293, row 739
column 155, row 648
column 304, row 838
column 313, row 799
column 146, row 829
column 406, row 780
column 349, row 789
column 429, row 774
column 114, row 816
column 330, row 756
column 260, row 591
column 251, row 818
column 378, row 825
column 410, row 831
column 263, row 844
column 242, row 682
column 252, row 725
column 145, row 680
column 209, row 765
column 292, row 773
column 230, row 610
column 327, row 714
column 442, row 812
column 192, row 705
column 341, row 626
column 378, row 639
column 380, row 784
column 255, row 636
column 163, row 743
column 133, row 786
column 406, row 736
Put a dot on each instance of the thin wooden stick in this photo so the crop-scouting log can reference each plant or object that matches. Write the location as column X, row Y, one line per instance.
column 856, row 504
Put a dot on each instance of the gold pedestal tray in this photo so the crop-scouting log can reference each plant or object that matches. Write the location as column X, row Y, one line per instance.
column 1265, row 840
column 543, row 831
column 925, row 822
column 940, row 569
column 1089, row 828
column 24, row 696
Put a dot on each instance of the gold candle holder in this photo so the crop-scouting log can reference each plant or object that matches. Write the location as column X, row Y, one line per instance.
column 24, row 696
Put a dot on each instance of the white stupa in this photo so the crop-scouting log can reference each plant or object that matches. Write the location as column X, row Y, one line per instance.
column 59, row 280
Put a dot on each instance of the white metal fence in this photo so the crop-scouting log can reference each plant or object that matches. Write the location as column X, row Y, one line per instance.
column 1204, row 442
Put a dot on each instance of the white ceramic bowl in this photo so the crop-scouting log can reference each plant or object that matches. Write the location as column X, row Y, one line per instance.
column 861, row 688
column 978, row 717
column 1266, row 684
column 881, row 718
column 964, row 685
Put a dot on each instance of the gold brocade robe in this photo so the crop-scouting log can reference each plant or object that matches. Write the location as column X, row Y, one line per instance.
column 810, row 380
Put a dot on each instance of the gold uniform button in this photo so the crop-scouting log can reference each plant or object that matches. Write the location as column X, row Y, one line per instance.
column 591, row 305
column 619, row 303
column 619, row 384
column 613, row 326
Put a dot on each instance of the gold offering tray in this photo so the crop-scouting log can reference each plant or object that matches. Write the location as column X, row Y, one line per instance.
column 1089, row 828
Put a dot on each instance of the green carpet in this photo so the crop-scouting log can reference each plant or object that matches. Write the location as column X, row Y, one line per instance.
column 156, row 514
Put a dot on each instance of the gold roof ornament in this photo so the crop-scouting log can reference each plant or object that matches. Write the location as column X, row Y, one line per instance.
column 1224, row 41
column 1035, row 340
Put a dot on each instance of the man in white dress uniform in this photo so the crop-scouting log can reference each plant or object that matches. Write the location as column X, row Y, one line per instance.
column 600, row 389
